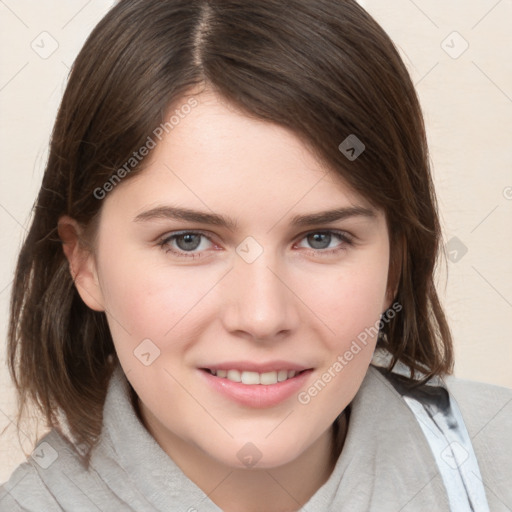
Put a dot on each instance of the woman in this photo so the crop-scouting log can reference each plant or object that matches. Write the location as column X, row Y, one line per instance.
column 226, row 298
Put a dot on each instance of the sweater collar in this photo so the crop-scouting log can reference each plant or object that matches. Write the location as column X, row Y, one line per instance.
column 384, row 447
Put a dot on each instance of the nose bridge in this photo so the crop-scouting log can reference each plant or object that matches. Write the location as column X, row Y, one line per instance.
column 260, row 302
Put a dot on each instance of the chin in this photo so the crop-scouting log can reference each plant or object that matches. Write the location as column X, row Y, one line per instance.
column 253, row 455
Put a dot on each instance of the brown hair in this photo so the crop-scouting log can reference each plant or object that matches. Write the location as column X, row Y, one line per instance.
column 321, row 68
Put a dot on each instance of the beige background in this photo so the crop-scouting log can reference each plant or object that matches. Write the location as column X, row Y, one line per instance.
column 466, row 94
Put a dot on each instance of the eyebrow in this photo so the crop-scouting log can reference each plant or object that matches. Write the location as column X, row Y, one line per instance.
column 186, row 214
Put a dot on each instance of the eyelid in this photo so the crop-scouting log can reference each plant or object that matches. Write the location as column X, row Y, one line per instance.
column 346, row 238
column 172, row 235
column 334, row 231
column 211, row 236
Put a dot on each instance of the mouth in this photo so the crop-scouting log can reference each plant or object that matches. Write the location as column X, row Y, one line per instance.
column 254, row 389
column 252, row 378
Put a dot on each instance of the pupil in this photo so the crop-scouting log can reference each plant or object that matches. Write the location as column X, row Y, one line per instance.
column 189, row 241
column 317, row 238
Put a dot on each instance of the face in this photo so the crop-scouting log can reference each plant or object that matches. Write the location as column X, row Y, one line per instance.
column 254, row 283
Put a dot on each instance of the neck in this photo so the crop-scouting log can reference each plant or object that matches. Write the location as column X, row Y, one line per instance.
column 281, row 489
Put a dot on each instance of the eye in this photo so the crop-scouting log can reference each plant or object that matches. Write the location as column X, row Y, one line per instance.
column 187, row 242
column 320, row 241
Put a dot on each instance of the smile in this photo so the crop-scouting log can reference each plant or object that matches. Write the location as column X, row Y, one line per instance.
column 242, row 386
column 252, row 378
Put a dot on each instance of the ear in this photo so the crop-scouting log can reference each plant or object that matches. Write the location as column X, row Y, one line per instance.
column 82, row 264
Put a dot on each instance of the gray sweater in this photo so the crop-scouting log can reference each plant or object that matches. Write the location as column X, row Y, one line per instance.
column 387, row 462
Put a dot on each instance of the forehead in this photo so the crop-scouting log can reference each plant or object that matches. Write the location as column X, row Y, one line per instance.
column 217, row 158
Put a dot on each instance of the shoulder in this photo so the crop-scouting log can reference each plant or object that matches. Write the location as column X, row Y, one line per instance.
column 485, row 407
column 51, row 467
column 24, row 489
column 482, row 405
column 487, row 413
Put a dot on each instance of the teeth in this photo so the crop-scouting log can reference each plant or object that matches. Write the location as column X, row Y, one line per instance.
column 234, row 375
column 282, row 375
column 251, row 378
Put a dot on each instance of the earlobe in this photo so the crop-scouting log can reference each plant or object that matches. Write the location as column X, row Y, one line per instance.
column 82, row 264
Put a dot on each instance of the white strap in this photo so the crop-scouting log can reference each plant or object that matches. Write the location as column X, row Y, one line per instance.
column 451, row 446
column 441, row 421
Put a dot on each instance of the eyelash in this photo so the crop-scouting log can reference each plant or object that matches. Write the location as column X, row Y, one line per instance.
column 344, row 237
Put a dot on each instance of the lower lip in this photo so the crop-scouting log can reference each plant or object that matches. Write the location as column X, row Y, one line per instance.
column 257, row 395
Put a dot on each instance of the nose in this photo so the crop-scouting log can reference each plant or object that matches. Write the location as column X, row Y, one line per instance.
column 259, row 302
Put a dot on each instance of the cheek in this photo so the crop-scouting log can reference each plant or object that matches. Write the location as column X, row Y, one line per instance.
column 351, row 308
column 148, row 299
column 350, row 300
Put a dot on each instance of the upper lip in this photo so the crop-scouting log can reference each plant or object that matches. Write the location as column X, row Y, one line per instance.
column 251, row 366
